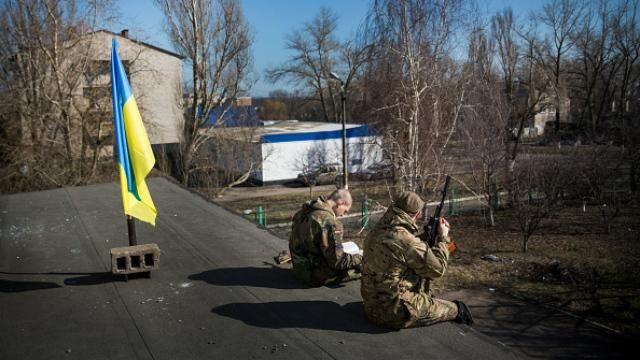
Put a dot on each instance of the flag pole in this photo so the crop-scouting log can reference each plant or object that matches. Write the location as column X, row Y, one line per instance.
column 131, row 225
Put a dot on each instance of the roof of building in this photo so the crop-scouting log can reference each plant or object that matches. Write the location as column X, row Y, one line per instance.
column 276, row 131
column 215, row 295
column 142, row 43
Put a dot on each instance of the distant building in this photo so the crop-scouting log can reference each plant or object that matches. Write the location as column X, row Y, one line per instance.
column 155, row 75
column 544, row 111
column 283, row 149
column 239, row 112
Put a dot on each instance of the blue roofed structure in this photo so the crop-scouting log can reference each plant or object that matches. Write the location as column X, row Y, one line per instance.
column 233, row 116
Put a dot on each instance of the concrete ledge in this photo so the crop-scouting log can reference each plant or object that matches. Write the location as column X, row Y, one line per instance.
column 135, row 259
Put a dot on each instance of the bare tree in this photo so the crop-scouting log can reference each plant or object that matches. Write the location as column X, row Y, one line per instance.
column 535, row 82
column 215, row 39
column 315, row 166
column 485, row 117
column 273, row 109
column 45, row 58
column 315, row 50
column 417, row 95
column 626, row 27
column 597, row 168
column 535, row 191
column 596, row 64
column 504, row 34
column 230, row 158
column 316, row 54
column 560, row 17
column 295, row 102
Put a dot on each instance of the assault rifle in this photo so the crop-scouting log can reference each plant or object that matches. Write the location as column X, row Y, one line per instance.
column 431, row 223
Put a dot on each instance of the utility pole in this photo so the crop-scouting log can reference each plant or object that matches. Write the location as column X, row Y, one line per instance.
column 343, row 100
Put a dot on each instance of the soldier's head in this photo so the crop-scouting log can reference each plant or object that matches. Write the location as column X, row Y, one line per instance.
column 409, row 202
column 340, row 201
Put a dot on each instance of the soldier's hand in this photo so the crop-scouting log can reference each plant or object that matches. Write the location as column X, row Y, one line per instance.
column 452, row 247
column 443, row 227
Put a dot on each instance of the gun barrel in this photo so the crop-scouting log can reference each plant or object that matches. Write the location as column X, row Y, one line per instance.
column 432, row 226
column 445, row 190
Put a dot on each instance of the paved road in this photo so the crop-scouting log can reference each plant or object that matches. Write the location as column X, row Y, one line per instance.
column 216, row 295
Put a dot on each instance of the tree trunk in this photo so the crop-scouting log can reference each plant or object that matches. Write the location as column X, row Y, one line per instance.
column 491, row 217
column 632, row 176
column 184, row 168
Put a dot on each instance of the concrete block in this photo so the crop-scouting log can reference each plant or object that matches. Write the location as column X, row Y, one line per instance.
column 135, row 259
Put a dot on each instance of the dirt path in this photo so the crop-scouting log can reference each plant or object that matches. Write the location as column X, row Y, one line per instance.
column 243, row 193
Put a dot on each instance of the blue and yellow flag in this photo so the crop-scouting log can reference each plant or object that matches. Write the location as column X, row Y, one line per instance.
column 135, row 157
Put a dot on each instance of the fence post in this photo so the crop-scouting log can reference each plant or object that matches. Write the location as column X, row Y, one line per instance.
column 365, row 212
column 452, row 201
column 495, row 196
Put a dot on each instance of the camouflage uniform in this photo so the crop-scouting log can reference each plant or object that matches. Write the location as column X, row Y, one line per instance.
column 396, row 274
column 315, row 244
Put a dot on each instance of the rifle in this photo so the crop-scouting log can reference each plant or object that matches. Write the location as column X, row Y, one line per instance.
column 431, row 223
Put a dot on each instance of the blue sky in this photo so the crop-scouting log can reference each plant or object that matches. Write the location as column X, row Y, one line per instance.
column 271, row 21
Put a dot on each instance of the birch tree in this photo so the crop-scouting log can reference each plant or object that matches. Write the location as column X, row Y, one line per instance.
column 418, row 98
column 215, row 39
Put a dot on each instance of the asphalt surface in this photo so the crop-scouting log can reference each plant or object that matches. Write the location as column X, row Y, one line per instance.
column 218, row 294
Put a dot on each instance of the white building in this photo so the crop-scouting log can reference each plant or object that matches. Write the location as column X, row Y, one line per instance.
column 284, row 148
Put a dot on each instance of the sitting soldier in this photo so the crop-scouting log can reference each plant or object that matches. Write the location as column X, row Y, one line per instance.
column 315, row 242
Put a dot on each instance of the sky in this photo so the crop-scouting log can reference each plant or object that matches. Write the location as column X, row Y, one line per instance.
column 271, row 21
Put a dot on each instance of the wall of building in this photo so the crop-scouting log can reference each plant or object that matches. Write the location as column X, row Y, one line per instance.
column 285, row 160
column 156, row 81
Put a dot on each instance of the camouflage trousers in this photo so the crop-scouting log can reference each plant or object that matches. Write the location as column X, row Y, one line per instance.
column 324, row 275
column 430, row 313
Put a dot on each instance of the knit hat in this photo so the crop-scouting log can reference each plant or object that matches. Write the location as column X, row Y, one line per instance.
column 409, row 202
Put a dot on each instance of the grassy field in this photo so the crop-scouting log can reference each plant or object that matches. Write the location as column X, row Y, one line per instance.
column 571, row 262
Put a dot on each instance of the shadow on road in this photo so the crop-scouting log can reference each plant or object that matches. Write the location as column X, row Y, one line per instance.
column 8, row 286
column 322, row 315
column 96, row 278
column 90, row 279
column 273, row 277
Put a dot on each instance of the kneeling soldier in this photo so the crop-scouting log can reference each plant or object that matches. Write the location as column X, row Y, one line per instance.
column 398, row 267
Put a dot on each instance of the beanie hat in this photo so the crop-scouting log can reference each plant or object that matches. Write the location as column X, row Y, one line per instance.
column 409, row 202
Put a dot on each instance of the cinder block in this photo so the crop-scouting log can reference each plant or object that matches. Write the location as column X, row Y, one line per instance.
column 134, row 259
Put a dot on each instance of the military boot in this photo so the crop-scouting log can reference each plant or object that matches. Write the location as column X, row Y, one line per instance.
column 464, row 315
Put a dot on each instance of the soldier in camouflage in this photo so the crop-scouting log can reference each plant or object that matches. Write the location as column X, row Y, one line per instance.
column 398, row 267
column 315, row 242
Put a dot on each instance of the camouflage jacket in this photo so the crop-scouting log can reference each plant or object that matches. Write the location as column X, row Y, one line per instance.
column 397, row 269
column 315, row 245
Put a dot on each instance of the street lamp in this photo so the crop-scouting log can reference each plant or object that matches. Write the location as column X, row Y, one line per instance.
column 343, row 100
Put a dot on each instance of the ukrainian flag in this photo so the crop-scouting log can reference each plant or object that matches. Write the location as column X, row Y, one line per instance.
column 135, row 157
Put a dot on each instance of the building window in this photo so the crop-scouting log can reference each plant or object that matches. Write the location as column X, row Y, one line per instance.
column 99, row 71
column 97, row 96
column 98, row 128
